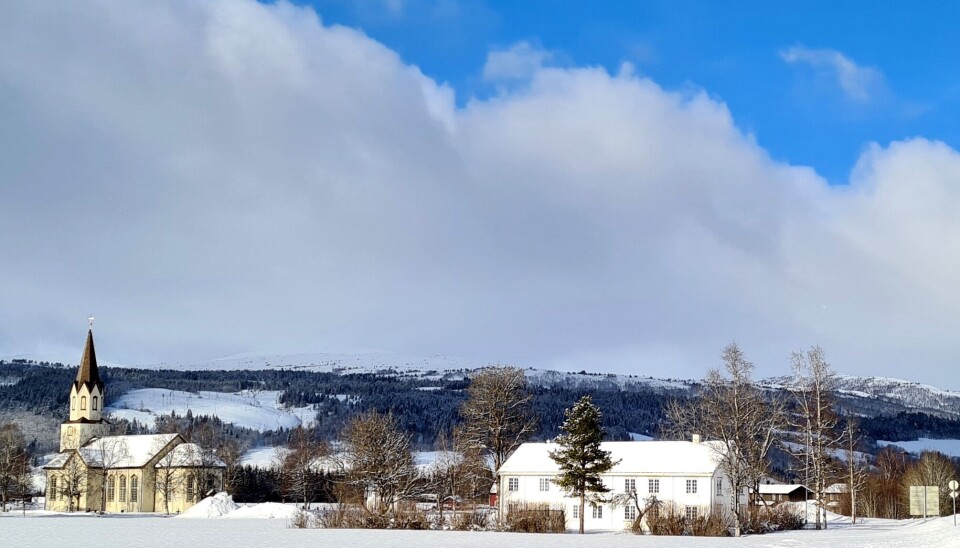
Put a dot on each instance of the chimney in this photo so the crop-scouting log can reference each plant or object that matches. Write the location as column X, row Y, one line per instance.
column 696, row 439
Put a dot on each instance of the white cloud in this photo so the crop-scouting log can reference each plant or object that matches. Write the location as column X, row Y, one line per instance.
column 209, row 178
column 518, row 62
column 861, row 84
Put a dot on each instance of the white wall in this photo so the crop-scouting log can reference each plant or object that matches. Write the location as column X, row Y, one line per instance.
column 672, row 489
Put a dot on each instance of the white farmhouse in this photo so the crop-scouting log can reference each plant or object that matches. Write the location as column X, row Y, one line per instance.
column 684, row 473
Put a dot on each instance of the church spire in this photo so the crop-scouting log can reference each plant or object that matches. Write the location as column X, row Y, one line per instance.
column 88, row 374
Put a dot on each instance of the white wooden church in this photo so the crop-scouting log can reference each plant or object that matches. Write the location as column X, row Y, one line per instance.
column 144, row 473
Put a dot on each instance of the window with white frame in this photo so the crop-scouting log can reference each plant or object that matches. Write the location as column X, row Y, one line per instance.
column 630, row 512
column 691, row 486
column 691, row 512
column 597, row 511
column 111, row 488
column 53, row 487
column 629, row 485
column 653, row 486
column 513, row 484
column 123, row 488
column 719, row 486
column 95, row 402
column 576, row 511
column 544, row 484
column 134, row 488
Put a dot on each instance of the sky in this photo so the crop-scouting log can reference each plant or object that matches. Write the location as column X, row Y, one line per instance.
column 622, row 188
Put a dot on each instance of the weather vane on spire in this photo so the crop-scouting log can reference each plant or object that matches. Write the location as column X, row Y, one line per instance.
column 90, row 322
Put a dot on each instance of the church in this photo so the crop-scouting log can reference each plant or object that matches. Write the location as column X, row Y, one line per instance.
column 97, row 472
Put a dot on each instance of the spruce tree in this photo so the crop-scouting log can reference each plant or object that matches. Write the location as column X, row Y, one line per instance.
column 579, row 456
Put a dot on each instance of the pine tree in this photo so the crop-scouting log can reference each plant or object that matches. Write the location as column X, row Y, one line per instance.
column 579, row 457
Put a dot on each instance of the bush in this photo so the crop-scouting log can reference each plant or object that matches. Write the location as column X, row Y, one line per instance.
column 302, row 519
column 536, row 518
column 767, row 519
column 476, row 520
column 671, row 520
column 343, row 517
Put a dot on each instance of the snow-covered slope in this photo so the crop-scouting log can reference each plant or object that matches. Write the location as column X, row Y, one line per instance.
column 876, row 394
column 947, row 447
column 259, row 410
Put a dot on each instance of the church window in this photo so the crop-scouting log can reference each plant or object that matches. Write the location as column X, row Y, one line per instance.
column 94, row 403
column 53, row 487
column 83, row 403
column 73, row 403
column 190, row 487
column 111, row 488
column 123, row 488
column 134, row 484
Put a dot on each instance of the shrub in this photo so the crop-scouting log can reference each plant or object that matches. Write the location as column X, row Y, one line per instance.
column 536, row 518
column 476, row 520
column 301, row 519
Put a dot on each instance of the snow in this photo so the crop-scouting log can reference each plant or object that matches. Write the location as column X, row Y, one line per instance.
column 46, row 529
column 125, row 451
column 259, row 410
column 950, row 447
column 266, row 510
column 648, row 457
column 261, row 457
column 216, row 506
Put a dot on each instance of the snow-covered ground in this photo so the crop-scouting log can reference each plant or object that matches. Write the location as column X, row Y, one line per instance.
column 43, row 529
column 259, row 410
column 947, row 447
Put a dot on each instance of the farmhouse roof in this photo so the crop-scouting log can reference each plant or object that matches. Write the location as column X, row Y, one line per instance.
column 636, row 457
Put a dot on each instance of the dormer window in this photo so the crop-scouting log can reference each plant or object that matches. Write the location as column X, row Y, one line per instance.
column 83, row 403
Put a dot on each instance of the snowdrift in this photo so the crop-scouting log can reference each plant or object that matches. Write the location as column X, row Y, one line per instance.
column 221, row 505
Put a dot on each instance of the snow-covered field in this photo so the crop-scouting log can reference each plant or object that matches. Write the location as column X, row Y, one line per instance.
column 259, row 410
column 947, row 447
column 41, row 529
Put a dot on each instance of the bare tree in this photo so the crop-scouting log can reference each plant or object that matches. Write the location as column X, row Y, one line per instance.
column 497, row 416
column 740, row 422
column 104, row 454
column 932, row 468
column 856, row 465
column 813, row 389
column 377, row 461
column 13, row 456
column 170, row 475
column 72, row 481
column 208, row 464
column 299, row 466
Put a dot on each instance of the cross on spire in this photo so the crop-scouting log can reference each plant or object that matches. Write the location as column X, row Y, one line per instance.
column 90, row 322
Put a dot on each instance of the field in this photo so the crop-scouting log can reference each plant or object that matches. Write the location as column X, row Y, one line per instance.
column 41, row 529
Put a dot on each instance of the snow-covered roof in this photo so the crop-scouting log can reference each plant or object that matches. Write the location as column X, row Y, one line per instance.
column 836, row 488
column 124, row 451
column 58, row 460
column 636, row 457
column 188, row 454
column 779, row 489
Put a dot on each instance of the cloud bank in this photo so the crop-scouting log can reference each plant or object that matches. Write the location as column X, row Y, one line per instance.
column 218, row 177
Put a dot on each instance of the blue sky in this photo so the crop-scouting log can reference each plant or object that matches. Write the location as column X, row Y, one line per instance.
column 626, row 189
column 732, row 50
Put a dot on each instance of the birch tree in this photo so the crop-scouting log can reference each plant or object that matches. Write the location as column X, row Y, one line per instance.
column 301, row 477
column 497, row 416
column 855, row 466
column 741, row 423
column 813, row 391
column 104, row 454
column 170, row 476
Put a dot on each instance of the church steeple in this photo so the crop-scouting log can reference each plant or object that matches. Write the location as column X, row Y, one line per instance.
column 88, row 374
column 86, row 401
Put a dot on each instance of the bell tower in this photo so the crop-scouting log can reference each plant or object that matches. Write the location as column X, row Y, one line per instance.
column 86, row 401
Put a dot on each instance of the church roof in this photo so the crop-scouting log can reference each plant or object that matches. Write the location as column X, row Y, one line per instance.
column 58, row 460
column 124, row 451
column 88, row 373
column 189, row 454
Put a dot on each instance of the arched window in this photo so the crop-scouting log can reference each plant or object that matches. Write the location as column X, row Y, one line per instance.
column 190, row 487
column 83, row 403
column 134, row 483
column 73, row 403
column 123, row 488
column 53, row 487
column 94, row 404
column 111, row 488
